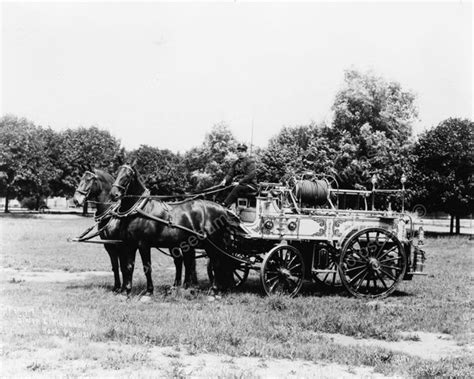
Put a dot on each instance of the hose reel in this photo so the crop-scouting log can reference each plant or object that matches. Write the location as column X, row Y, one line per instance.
column 312, row 192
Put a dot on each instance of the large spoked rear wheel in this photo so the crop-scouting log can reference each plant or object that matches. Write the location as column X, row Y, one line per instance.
column 282, row 271
column 373, row 262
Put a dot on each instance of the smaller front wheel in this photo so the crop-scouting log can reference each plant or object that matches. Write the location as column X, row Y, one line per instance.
column 282, row 271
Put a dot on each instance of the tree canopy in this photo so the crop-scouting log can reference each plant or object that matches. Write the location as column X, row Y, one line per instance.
column 81, row 148
column 445, row 167
column 207, row 164
column 369, row 99
column 161, row 170
column 26, row 160
column 370, row 134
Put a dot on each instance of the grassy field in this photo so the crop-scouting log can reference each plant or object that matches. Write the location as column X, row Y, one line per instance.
column 42, row 316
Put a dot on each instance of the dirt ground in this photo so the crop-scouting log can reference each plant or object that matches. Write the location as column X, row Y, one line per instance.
column 165, row 362
column 67, row 358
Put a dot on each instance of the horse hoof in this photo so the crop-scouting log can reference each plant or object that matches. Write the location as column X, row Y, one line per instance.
column 211, row 298
column 145, row 299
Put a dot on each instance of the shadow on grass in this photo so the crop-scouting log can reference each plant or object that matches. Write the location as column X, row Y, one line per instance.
column 89, row 286
column 19, row 215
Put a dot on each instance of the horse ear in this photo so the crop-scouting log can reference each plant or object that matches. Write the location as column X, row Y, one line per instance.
column 89, row 167
column 119, row 160
column 134, row 162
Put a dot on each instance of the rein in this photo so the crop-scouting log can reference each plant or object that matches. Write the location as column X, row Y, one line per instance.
column 140, row 203
column 187, row 197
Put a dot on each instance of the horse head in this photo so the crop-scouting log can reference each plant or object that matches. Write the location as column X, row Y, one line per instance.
column 88, row 186
column 124, row 177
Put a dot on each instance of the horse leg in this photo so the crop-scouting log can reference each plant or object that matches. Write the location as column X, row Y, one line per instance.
column 190, row 276
column 146, row 261
column 114, row 260
column 130, row 265
column 122, row 256
column 221, row 266
column 178, row 263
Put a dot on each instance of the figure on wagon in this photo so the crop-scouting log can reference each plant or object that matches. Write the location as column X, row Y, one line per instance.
column 244, row 173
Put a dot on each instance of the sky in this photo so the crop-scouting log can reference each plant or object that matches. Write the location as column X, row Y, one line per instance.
column 162, row 74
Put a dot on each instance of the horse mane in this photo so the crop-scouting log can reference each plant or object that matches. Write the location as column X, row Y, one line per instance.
column 139, row 178
column 104, row 175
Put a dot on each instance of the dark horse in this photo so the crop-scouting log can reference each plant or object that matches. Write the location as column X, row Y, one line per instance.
column 95, row 186
column 182, row 226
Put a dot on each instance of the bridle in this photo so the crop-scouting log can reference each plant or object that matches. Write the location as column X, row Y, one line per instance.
column 124, row 188
column 87, row 191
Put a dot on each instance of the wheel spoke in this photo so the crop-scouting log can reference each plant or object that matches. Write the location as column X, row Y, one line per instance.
column 390, row 259
column 362, row 280
column 388, row 251
column 375, row 284
column 271, row 272
column 296, row 265
column 291, row 261
column 358, row 275
column 271, row 280
column 389, row 275
column 355, row 268
column 383, row 281
column 392, row 267
column 325, row 277
column 272, row 287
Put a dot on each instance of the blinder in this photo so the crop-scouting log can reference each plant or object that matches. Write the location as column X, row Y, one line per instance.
column 92, row 177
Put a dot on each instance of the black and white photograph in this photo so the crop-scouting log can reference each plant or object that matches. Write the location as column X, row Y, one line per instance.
column 236, row 189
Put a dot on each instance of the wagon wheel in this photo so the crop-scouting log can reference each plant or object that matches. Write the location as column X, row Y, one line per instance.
column 282, row 271
column 372, row 264
column 329, row 280
column 240, row 272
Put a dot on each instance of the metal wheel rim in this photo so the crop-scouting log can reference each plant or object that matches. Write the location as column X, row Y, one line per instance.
column 373, row 262
column 282, row 271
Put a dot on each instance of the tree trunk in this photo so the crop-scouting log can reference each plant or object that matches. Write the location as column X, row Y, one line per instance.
column 458, row 225
column 451, row 227
column 6, row 201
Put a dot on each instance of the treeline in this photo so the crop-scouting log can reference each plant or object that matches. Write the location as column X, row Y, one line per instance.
column 369, row 137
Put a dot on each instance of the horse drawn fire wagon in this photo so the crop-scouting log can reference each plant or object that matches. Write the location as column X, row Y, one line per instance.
column 289, row 233
column 298, row 232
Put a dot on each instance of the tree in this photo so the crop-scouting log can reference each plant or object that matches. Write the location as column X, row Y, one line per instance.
column 445, row 167
column 371, row 131
column 80, row 148
column 295, row 150
column 207, row 164
column 369, row 99
column 162, row 170
column 26, row 159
